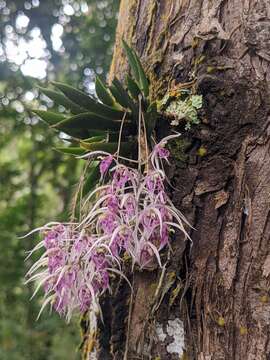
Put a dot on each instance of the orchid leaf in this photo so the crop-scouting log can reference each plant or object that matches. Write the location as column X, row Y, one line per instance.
column 117, row 95
column 93, row 133
column 49, row 117
column 137, row 69
column 88, row 102
column 133, row 88
column 88, row 121
column 95, row 139
column 144, row 84
column 132, row 61
column 75, row 133
column 124, row 94
column 111, row 147
column 76, row 151
column 61, row 99
column 91, row 178
column 127, row 99
column 151, row 118
column 74, row 94
column 97, row 136
column 103, row 93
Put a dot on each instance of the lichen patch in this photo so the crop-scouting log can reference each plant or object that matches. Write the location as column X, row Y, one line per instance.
column 175, row 329
column 173, row 337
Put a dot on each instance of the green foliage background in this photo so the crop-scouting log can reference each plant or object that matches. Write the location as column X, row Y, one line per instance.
column 36, row 182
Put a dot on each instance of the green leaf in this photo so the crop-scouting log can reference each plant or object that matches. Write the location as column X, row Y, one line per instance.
column 97, row 133
column 144, row 84
column 53, row 119
column 85, row 135
column 114, row 136
column 123, row 93
column 103, row 94
column 151, row 118
column 74, row 133
column 75, row 95
column 88, row 102
column 133, row 88
column 137, row 69
column 117, row 96
column 49, row 117
column 127, row 99
column 88, row 121
column 99, row 146
column 61, row 99
column 125, row 147
column 71, row 150
column 91, row 178
column 96, row 139
column 132, row 60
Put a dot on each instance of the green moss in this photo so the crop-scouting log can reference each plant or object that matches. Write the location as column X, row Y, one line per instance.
column 184, row 356
column 243, row 330
column 202, row 151
column 210, row 69
column 178, row 149
column 195, row 42
column 174, row 294
column 197, row 61
column 221, row 321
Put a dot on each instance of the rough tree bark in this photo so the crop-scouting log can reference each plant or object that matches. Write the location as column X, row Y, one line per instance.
column 217, row 289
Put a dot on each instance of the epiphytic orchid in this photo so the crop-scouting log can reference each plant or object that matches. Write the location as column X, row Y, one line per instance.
column 130, row 215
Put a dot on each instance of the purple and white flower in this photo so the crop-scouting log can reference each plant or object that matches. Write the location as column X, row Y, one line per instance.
column 132, row 215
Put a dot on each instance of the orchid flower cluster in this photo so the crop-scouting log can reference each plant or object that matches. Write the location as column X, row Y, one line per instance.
column 129, row 217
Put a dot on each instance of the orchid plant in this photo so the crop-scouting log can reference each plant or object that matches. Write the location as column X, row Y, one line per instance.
column 130, row 216
column 126, row 215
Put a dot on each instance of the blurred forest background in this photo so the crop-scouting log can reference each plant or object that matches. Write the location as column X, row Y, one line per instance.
column 40, row 40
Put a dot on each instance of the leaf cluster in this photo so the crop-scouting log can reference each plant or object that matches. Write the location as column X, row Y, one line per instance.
column 94, row 124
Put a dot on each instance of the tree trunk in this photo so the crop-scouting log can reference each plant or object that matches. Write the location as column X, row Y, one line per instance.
column 213, row 301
